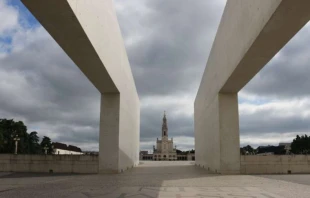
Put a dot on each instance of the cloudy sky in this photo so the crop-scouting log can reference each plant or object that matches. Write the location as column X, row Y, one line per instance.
column 168, row 43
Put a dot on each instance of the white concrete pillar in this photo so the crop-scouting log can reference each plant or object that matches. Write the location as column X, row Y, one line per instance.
column 109, row 133
column 217, row 135
column 229, row 133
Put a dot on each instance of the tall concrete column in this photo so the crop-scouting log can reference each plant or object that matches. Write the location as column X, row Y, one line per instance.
column 109, row 133
column 217, row 135
column 229, row 133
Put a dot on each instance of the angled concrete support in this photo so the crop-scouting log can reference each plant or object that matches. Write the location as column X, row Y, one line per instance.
column 250, row 33
column 88, row 31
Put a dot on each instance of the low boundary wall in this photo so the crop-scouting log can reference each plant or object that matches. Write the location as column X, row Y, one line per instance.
column 250, row 164
column 275, row 164
column 47, row 163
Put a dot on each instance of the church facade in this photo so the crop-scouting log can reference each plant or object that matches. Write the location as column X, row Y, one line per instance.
column 164, row 151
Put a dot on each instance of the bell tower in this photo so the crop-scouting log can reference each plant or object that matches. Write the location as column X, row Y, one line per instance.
column 164, row 126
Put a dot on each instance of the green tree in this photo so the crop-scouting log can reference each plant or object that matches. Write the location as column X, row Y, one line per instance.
column 301, row 145
column 247, row 150
column 8, row 130
column 33, row 143
column 28, row 143
column 1, row 141
column 46, row 141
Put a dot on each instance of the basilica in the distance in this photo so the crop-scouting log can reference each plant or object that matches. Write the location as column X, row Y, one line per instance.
column 164, row 148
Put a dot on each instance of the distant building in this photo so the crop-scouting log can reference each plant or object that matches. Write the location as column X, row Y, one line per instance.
column 164, row 147
column 287, row 147
column 144, row 152
column 96, row 153
column 144, row 155
column 186, row 157
column 164, row 150
column 63, row 149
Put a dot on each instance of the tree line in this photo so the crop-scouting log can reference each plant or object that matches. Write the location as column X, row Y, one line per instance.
column 185, row 152
column 299, row 146
column 28, row 142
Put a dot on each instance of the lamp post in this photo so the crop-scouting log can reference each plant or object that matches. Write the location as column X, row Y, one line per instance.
column 45, row 149
column 16, row 139
column 53, row 152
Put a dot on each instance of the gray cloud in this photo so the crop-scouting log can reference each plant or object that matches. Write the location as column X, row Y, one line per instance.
column 48, row 89
column 284, row 79
column 265, row 122
column 40, row 85
column 287, row 74
column 174, row 40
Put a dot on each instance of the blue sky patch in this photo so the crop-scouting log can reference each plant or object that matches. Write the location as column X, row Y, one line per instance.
column 26, row 19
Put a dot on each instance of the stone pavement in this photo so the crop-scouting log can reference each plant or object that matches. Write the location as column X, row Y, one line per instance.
column 154, row 180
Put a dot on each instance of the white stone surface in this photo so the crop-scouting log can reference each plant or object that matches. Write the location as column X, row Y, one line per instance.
column 249, row 35
column 88, row 31
column 58, row 151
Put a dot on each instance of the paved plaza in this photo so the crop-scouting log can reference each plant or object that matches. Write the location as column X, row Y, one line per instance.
column 154, row 179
